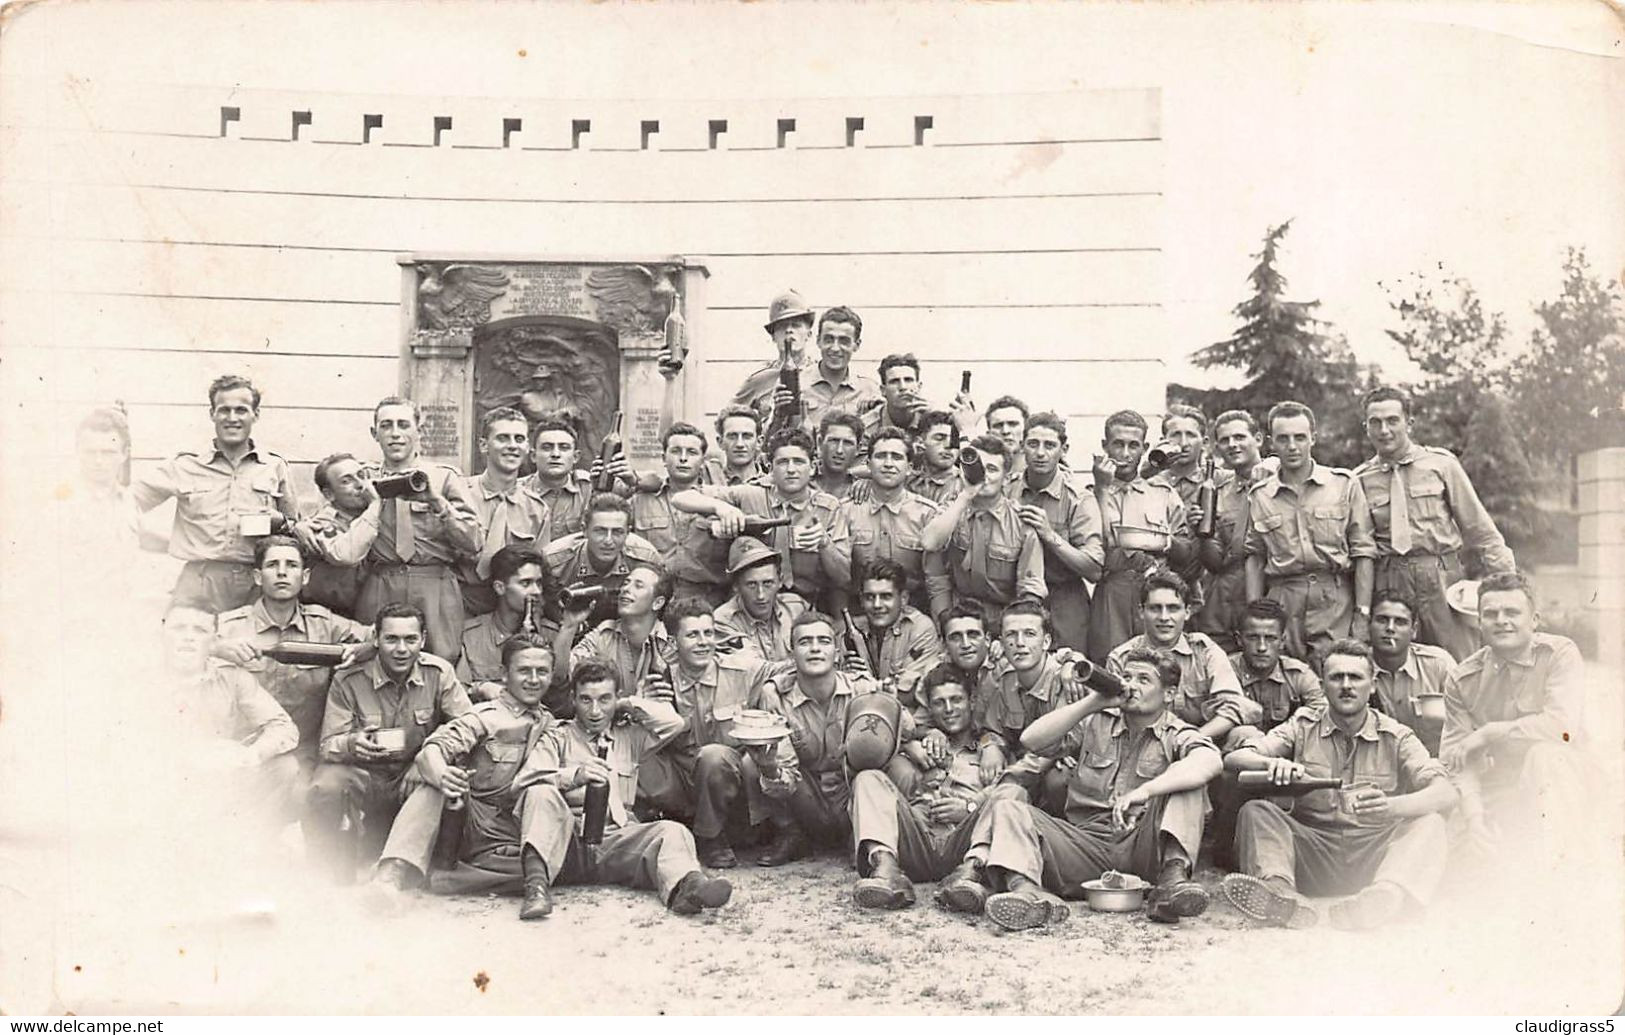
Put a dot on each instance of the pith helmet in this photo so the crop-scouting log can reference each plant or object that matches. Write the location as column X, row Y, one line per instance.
column 746, row 551
column 787, row 306
column 874, row 730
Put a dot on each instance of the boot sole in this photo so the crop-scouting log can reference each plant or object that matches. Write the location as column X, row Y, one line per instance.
column 1256, row 900
column 873, row 894
column 1014, row 911
column 962, row 900
column 1180, row 905
column 715, row 893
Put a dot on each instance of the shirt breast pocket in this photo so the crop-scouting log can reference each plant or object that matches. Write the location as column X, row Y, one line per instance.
column 1001, row 562
column 1328, row 523
column 1427, row 497
column 1151, row 763
column 1095, row 772
column 267, row 487
column 422, row 716
column 863, row 535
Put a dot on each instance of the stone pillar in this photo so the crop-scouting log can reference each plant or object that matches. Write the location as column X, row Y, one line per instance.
column 1602, row 549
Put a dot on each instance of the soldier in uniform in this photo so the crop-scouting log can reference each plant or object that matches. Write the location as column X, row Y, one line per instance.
column 1184, row 437
column 337, row 546
column 420, row 538
column 790, row 325
column 738, row 459
column 1208, row 695
column 904, row 837
column 223, row 499
column 805, row 773
column 816, row 547
column 1066, row 519
column 696, row 559
column 834, row 385
column 404, row 693
column 600, row 555
column 1424, row 512
column 970, row 651
column 633, row 644
column 1135, row 803
column 596, row 748
column 1144, row 525
column 900, row 384
column 888, row 524
column 902, row 641
column 1007, row 422
column 1514, row 722
column 1029, row 682
column 993, row 556
column 759, row 614
column 840, row 443
column 472, row 760
column 1224, row 553
column 519, row 584
column 511, row 512
column 1309, row 528
column 566, row 489
column 1410, row 678
column 936, row 458
column 244, row 634
column 1381, row 836
column 702, row 777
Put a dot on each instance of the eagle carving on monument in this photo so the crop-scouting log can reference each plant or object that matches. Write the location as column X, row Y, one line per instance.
column 628, row 298
column 457, row 296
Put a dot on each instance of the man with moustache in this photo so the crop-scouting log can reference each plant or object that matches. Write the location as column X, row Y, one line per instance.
column 936, row 458
column 1309, row 544
column 604, row 744
column 1135, row 803
column 696, row 559
column 1514, row 722
column 510, row 512
column 1149, row 514
column 420, row 538
column 760, row 613
column 1411, row 676
column 1224, row 553
column 224, row 497
column 901, row 838
column 519, row 584
column 566, row 490
column 1424, row 512
column 404, row 691
column 472, row 760
column 1380, row 837
column 889, row 523
column 816, row 547
column 1067, row 522
column 993, row 556
column 702, row 777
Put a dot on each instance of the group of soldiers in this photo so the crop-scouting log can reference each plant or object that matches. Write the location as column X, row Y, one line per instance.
column 455, row 681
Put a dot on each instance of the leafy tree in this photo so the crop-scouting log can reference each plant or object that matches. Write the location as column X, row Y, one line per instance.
column 1460, row 349
column 1571, row 384
column 1286, row 352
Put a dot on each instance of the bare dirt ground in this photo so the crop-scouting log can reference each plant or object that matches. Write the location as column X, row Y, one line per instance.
column 792, row 942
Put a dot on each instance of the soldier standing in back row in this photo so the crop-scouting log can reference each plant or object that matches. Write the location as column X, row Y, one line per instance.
column 1423, row 513
column 223, row 499
column 1308, row 529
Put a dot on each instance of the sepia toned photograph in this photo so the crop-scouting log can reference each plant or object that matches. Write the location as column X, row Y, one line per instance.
column 811, row 509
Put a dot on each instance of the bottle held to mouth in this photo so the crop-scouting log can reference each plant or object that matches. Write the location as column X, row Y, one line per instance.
column 970, row 466
column 395, row 486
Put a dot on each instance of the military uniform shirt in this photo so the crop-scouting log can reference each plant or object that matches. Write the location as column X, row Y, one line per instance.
column 940, row 487
column 1384, row 753
column 993, row 557
column 687, row 548
column 481, row 660
column 1445, row 511
column 566, row 505
column 770, row 637
column 1423, row 674
column 1143, row 504
column 1282, row 690
column 566, row 745
column 1208, row 687
column 519, row 510
column 809, row 571
column 1114, row 760
column 224, row 702
column 1324, row 527
column 363, row 695
column 436, row 538
column 608, row 643
column 301, row 690
column 211, row 494
column 1074, row 513
column 892, row 530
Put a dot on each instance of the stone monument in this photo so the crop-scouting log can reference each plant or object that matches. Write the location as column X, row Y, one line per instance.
column 546, row 336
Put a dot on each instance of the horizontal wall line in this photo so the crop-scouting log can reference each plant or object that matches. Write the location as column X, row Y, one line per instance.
column 594, row 201
column 183, row 350
column 700, row 253
column 718, row 308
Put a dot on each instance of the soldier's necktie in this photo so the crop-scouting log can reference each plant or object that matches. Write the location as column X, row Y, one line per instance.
column 496, row 537
column 1399, row 514
column 406, row 543
column 979, row 536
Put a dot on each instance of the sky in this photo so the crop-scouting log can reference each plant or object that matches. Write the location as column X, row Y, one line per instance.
column 1476, row 139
